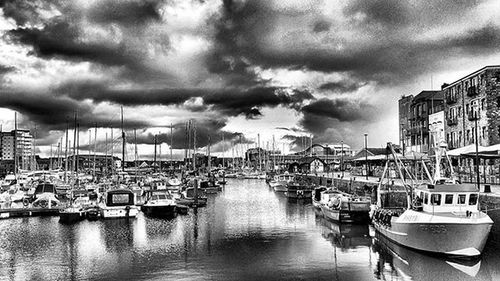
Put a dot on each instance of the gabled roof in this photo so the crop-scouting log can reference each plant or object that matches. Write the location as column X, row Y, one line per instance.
column 371, row 152
column 428, row 95
column 309, row 160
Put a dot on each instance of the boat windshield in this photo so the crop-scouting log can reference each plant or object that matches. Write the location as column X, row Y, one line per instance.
column 161, row 197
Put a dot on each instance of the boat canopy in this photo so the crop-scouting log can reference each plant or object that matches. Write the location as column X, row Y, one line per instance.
column 45, row 187
column 120, row 197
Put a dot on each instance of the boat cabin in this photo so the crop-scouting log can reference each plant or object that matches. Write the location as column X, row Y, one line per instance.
column 447, row 197
column 284, row 177
column 120, row 197
column 329, row 193
column 155, row 195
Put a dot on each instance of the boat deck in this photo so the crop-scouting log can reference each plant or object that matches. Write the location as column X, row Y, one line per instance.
column 28, row 212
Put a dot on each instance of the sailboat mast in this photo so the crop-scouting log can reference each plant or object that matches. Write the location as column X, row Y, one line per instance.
column 112, row 153
column 208, row 152
column 135, row 153
column 194, row 146
column 154, row 160
column 123, row 143
column 171, row 144
column 74, row 145
column 66, row 153
column 33, row 164
column 95, row 150
column 159, row 155
column 258, row 149
column 15, row 145
column 223, row 151
column 77, row 148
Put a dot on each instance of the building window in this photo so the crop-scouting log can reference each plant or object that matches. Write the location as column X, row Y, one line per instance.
column 484, row 132
column 483, row 104
column 467, row 136
column 426, row 198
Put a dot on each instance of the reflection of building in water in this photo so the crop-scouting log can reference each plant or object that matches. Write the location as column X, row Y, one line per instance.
column 397, row 262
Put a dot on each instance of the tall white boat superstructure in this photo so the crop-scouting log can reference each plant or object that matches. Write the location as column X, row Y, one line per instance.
column 442, row 216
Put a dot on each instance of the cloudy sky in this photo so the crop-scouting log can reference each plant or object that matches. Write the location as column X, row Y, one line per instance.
column 328, row 69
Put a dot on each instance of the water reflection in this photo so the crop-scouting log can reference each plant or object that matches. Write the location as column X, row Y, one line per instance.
column 397, row 262
column 246, row 232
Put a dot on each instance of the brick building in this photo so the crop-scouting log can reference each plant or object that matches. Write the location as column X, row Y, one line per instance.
column 414, row 114
column 475, row 96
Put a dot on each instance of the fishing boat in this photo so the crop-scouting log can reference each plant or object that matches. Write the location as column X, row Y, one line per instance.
column 119, row 203
column 159, row 203
column 343, row 207
column 441, row 217
column 280, row 181
column 298, row 190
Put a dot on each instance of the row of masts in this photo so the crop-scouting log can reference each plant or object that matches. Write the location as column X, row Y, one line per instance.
column 190, row 151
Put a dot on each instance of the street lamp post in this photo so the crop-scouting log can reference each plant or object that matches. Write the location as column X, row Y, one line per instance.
column 366, row 156
column 342, row 158
column 477, row 151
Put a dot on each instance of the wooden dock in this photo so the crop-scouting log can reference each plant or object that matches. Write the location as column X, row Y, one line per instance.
column 28, row 212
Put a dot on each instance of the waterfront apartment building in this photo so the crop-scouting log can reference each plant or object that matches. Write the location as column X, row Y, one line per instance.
column 20, row 138
column 474, row 98
column 414, row 112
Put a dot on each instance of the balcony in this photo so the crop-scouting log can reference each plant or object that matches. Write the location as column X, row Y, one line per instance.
column 452, row 121
column 473, row 115
column 451, row 99
column 472, row 91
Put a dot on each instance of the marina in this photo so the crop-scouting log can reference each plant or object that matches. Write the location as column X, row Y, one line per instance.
column 245, row 232
column 249, row 140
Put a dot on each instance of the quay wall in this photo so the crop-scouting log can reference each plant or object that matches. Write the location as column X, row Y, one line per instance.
column 489, row 201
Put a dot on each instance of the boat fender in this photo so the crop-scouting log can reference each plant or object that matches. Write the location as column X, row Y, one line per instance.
column 26, row 202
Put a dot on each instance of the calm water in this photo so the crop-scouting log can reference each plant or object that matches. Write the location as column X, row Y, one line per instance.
column 247, row 232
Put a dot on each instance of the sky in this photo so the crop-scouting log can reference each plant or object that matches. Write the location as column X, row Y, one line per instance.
column 241, row 70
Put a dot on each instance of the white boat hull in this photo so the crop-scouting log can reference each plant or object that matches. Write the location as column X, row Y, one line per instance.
column 461, row 236
column 119, row 212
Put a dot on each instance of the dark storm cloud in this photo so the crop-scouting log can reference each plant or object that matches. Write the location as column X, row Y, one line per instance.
column 207, row 131
column 341, row 109
column 6, row 69
column 130, row 12
column 51, row 113
column 228, row 102
column 331, row 121
column 60, row 39
column 321, row 26
column 382, row 47
column 343, row 86
column 394, row 14
column 24, row 11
